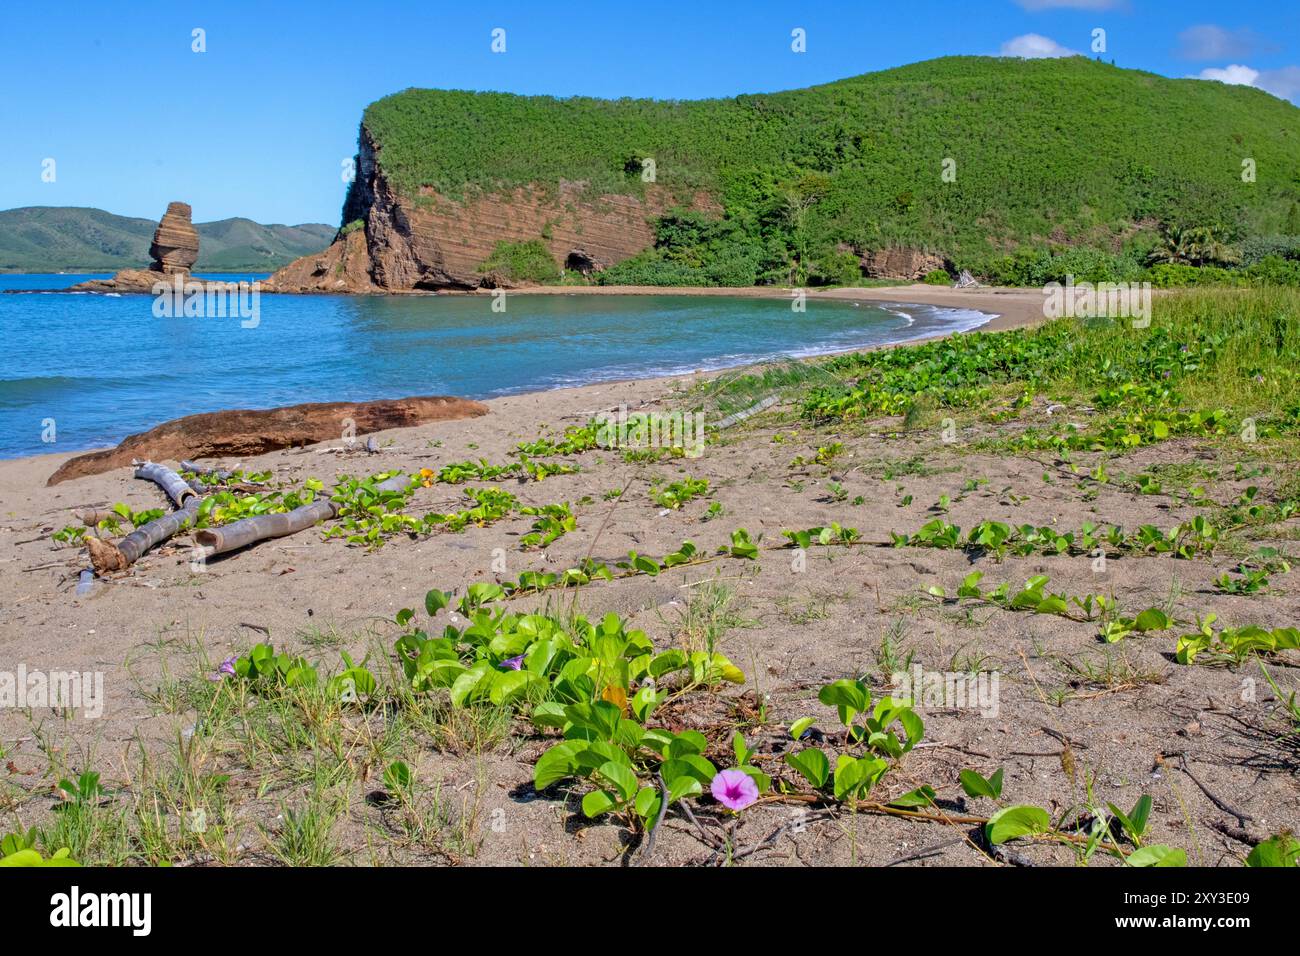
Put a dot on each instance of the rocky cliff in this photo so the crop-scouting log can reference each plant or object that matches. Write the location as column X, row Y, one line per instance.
column 957, row 163
column 396, row 243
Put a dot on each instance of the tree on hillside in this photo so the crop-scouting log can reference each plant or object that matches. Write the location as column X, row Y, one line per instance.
column 1193, row 246
column 796, row 200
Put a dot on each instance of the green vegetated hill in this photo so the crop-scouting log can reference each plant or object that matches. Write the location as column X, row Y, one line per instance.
column 1050, row 156
column 75, row 239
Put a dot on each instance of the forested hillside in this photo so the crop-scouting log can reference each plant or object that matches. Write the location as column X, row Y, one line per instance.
column 1041, row 157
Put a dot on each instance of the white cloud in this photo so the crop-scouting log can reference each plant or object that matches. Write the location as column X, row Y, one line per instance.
column 1210, row 42
column 1034, row 46
column 1284, row 83
column 1234, row 75
column 1033, row 6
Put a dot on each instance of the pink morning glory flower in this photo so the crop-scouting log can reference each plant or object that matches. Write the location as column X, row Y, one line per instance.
column 227, row 669
column 734, row 789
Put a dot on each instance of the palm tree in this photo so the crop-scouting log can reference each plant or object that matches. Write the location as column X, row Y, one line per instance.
column 1193, row 245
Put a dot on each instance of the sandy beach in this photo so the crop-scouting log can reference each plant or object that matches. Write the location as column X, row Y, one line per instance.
column 848, row 611
column 1011, row 307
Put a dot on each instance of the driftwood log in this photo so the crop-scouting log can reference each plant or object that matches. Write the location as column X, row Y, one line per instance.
column 242, row 433
column 246, row 531
column 176, row 487
column 106, row 556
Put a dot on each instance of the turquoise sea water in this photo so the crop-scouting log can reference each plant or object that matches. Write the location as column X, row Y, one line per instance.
column 103, row 367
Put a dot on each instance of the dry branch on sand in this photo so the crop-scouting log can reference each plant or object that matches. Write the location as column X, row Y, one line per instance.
column 106, row 556
column 247, row 531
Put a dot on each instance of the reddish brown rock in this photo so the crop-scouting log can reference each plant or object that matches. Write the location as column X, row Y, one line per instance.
column 900, row 262
column 435, row 242
column 148, row 282
column 244, row 432
column 175, row 245
column 175, row 249
column 141, row 281
column 344, row 267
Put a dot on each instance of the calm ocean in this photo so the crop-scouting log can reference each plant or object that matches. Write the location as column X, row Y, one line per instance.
column 103, row 367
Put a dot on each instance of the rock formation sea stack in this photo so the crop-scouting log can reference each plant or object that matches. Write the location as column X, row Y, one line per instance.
column 175, row 249
column 175, row 245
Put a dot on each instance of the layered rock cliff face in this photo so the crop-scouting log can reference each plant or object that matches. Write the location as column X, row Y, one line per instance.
column 900, row 262
column 343, row 267
column 434, row 242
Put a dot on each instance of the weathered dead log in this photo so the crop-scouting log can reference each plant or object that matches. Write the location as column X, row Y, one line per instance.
column 174, row 485
column 107, row 556
column 242, row 433
column 248, row 531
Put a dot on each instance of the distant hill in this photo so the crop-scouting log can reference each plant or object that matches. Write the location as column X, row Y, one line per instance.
column 976, row 159
column 77, row 239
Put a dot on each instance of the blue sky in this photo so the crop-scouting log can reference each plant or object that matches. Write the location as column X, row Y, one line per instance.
column 259, row 123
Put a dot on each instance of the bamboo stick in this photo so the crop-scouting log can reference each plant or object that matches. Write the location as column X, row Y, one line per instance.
column 219, row 474
column 249, row 531
column 107, row 556
column 242, row 533
column 173, row 484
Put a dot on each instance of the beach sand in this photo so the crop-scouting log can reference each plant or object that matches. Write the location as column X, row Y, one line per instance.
column 848, row 612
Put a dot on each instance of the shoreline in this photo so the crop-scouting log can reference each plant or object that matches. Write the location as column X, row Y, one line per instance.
column 1012, row 307
column 1019, row 308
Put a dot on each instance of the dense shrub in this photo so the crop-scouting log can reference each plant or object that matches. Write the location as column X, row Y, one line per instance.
column 527, row 261
column 1171, row 275
column 692, row 248
column 1274, row 270
column 1036, row 267
column 937, row 277
column 836, row 267
column 650, row 268
column 1258, row 248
